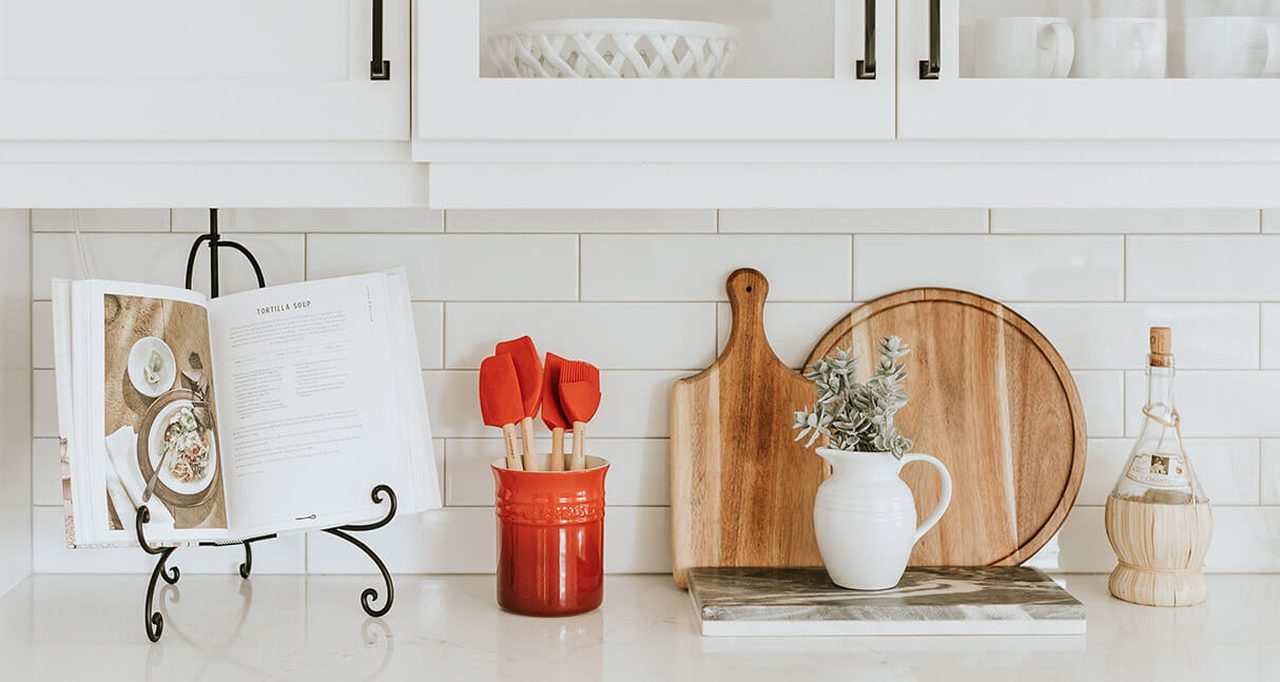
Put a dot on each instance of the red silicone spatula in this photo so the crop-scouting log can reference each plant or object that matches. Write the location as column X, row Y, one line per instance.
column 529, row 372
column 579, row 398
column 552, row 415
column 500, row 403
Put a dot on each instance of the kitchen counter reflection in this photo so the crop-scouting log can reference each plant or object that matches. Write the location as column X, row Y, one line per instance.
column 447, row 628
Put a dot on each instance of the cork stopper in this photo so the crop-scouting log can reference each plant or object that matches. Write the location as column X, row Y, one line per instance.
column 1161, row 347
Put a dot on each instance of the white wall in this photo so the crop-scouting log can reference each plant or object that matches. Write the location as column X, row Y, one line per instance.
column 15, row 399
column 641, row 292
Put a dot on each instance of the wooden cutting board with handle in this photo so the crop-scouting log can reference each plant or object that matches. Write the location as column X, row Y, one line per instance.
column 992, row 399
column 741, row 487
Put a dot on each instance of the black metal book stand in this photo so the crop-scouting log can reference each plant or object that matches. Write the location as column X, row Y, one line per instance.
column 382, row 492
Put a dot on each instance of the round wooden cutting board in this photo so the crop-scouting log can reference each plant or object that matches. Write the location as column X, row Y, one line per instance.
column 992, row 399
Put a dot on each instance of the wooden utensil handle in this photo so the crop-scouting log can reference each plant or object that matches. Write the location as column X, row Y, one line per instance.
column 579, row 461
column 557, row 449
column 530, row 458
column 747, row 289
column 509, row 439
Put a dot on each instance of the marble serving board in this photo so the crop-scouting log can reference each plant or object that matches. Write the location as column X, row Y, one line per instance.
column 992, row 600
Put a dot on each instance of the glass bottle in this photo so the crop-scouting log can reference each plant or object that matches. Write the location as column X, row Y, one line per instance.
column 1158, row 517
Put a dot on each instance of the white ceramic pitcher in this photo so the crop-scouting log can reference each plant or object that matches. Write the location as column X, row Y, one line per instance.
column 865, row 517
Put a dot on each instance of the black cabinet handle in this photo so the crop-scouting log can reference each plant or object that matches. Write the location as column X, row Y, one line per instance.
column 866, row 67
column 379, row 68
column 931, row 67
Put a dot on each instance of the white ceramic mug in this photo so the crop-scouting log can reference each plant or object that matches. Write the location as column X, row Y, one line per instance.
column 1233, row 47
column 1122, row 47
column 1023, row 47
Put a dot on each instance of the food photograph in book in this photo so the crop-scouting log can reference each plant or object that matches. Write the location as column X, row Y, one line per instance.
column 160, row 424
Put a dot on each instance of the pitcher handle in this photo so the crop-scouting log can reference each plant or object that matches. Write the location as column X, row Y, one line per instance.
column 943, row 502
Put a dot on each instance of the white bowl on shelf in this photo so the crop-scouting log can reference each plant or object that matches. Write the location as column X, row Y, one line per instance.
column 614, row 48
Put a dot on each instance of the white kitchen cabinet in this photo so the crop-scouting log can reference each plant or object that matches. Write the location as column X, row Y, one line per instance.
column 203, row 70
column 1090, row 70
column 795, row 76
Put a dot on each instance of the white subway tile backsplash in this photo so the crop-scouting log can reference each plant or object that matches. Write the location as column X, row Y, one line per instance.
column 1245, row 539
column 1271, row 220
column 694, row 267
column 462, row 540
column 582, row 221
column 849, row 221
column 1227, row 468
column 42, row 335
column 457, row 267
column 50, row 553
column 1079, row 547
column 311, row 220
column 1114, row 335
column 1040, row 268
column 1121, row 221
column 1270, row 336
column 1270, row 476
column 44, row 404
column 1220, row 268
column 609, row 335
column 793, row 328
column 627, row 290
column 1102, row 395
column 1226, row 404
column 634, row 404
column 638, row 470
column 1270, row 485
column 428, row 323
column 100, row 219
column 46, row 472
column 161, row 259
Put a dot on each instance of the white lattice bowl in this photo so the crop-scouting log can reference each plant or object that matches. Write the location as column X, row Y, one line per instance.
column 614, row 48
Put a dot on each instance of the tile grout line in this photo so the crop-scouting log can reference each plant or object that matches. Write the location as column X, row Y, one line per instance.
column 1124, row 270
column 31, row 387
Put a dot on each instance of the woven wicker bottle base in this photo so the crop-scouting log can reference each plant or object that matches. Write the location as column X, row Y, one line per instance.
column 1161, row 550
column 1157, row 588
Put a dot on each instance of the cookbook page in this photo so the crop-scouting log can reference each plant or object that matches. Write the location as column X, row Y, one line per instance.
column 143, row 425
column 310, row 414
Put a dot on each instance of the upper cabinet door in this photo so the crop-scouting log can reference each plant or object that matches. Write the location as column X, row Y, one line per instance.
column 203, row 70
column 1089, row 69
column 707, row 70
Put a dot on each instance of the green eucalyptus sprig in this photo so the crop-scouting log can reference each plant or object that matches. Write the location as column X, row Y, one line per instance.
column 854, row 416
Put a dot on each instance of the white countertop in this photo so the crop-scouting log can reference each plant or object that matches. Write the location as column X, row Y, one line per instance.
column 448, row 628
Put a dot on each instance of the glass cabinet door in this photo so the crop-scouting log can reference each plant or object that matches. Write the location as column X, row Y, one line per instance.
column 654, row 69
column 1090, row 69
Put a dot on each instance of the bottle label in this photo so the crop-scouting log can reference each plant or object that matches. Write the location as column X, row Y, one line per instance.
column 1158, row 470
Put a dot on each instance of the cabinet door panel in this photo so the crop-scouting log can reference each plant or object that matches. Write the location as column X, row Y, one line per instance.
column 794, row 76
column 1091, row 70
column 198, row 69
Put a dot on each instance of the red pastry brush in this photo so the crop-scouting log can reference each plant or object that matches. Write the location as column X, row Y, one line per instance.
column 552, row 414
column 500, row 403
column 579, row 398
column 529, row 372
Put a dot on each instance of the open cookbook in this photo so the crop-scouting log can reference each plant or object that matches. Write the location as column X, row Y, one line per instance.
column 267, row 411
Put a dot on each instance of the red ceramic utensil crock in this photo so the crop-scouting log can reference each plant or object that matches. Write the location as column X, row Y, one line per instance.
column 550, row 539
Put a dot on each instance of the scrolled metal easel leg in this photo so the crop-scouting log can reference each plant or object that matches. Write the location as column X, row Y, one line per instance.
column 246, row 566
column 154, row 621
column 370, row 595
